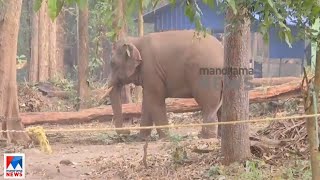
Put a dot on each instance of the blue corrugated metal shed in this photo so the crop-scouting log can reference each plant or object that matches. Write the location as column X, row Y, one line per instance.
column 168, row 17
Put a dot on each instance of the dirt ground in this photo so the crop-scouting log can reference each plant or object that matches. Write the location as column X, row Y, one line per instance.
column 104, row 155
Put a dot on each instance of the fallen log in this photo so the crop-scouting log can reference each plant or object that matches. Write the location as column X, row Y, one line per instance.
column 273, row 81
column 287, row 90
column 272, row 93
column 102, row 113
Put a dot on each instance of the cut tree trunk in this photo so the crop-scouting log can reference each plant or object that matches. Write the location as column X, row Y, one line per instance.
column 83, row 57
column 235, row 144
column 10, row 11
column 134, row 109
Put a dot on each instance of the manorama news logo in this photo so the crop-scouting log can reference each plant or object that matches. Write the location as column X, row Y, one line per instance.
column 14, row 166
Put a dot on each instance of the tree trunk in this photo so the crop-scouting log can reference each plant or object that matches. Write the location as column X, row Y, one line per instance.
column 121, row 31
column 106, row 50
column 312, row 122
column 83, row 56
column 235, row 142
column 9, row 111
column 43, row 57
column 52, row 49
column 60, row 42
column 34, row 62
column 138, row 89
column 28, row 33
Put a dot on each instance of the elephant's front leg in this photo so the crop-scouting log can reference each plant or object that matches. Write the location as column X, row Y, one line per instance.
column 145, row 120
column 154, row 111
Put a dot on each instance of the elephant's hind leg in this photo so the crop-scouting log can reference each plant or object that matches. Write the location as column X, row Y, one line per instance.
column 212, row 130
column 210, row 104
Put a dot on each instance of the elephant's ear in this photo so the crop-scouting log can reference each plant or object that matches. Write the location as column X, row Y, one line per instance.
column 134, row 58
column 132, row 51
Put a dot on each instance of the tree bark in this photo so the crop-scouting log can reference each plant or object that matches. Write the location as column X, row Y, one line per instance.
column 60, row 42
column 106, row 50
column 312, row 123
column 34, row 62
column 52, row 49
column 29, row 8
column 83, row 57
column 43, row 57
column 121, row 31
column 138, row 89
column 235, row 142
column 9, row 111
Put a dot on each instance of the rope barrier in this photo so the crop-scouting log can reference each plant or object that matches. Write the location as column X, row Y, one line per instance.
column 174, row 126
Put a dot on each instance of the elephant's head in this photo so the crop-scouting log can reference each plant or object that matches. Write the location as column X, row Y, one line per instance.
column 124, row 62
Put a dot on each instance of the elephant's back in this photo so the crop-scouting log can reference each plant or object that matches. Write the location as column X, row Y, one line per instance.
column 183, row 43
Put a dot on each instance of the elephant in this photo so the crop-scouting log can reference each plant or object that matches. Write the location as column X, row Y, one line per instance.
column 167, row 65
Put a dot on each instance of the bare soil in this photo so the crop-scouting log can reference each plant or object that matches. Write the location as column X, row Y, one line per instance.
column 105, row 155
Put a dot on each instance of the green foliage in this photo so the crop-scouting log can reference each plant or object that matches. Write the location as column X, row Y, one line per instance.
column 253, row 170
column 82, row 3
column 64, row 83
column 54, row 7
column 272, row 13
column 257, row 169
column 194, row 13
column 300, row 169
column 232, row 4
column 178, row 151
column 21, row 58
column 37, row 5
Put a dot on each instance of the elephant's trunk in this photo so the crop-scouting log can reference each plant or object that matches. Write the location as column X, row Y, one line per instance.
column 115, row 97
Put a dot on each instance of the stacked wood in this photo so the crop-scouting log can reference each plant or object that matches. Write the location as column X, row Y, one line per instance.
column 287, row 90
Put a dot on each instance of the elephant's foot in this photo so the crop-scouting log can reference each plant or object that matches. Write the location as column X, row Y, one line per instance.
column 219, row 131
column 144, row 134
column 163, row 133
column 123, row 132
column 207, row 133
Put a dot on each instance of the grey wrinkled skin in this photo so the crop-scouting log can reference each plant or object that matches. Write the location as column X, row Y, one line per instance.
column 167, row 65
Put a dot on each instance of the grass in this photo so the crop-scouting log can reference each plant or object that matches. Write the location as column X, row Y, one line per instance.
column 259, row 170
